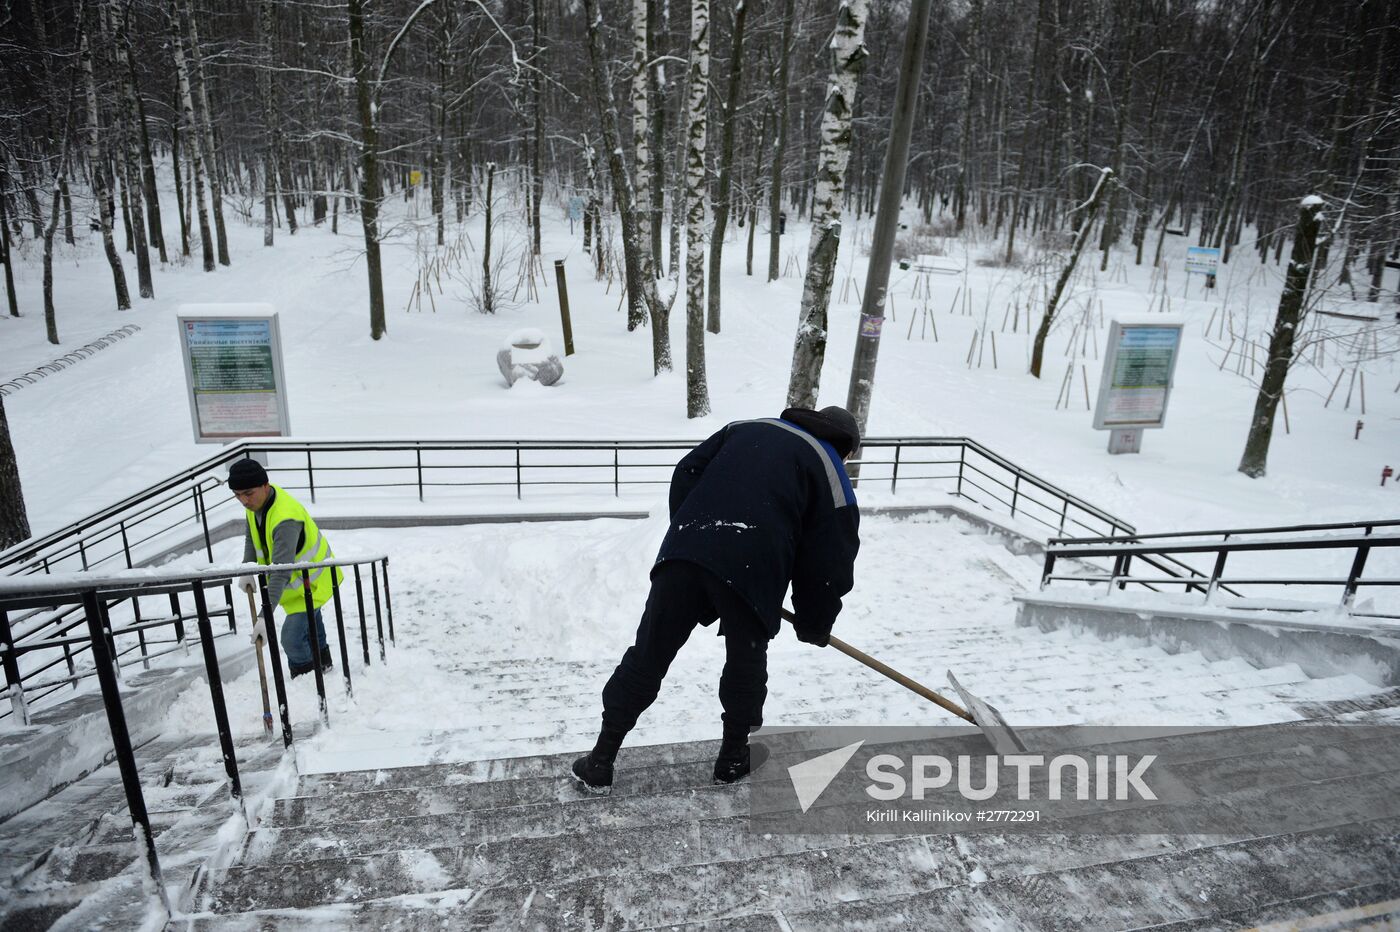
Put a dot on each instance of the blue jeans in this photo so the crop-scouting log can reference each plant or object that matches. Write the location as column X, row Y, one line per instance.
column 294, row 641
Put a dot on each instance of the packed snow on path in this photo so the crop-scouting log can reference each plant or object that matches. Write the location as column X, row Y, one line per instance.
column 506, row 633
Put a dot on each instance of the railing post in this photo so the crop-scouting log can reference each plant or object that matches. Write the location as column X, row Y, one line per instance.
column 110, row 638
column 1127, row 562
column 378, row 617
column 388, row 604
column 216, row 691
column 1049, row 568
column 228, row 600
column 204, row 519
column 418, row 455
column 82, row 554
column 121, row 744
column 314, row 640
column 274, row 655
column 126, row 545
column 517, row 476
column 1064, row 515
column 140, row 632
column 179, row 620
column 13, row 681
column 310, row 476
column 1115, row 573
column 340, row 631
column 1015, row 494
column 360, row 599
column 962, row 455
column 1357, row 565
column 617, row 475
column 894, row 474
column 1215, row 573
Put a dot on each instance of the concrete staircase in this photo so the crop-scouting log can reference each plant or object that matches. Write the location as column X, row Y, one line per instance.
column 507, row 844
column 506, row 840
column 71, row 861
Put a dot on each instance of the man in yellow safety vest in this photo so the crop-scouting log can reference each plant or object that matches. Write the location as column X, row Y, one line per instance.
column 281, row 531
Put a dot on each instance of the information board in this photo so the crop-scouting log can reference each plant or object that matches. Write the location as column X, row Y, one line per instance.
column 1137, row 375
column 1203, row 259
column 234, row 372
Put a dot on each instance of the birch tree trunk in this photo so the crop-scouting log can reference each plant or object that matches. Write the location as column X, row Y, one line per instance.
column 1290, row 314
column 635, row 252
column 848, row 56
column 726, row 162
column 98, row 168
column 203, row 128
column 697, row 390
column 194, row 139
column 265, row 21
column 641, row 144
column 537, row 98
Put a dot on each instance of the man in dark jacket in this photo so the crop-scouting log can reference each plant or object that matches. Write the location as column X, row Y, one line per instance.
column 758, row 506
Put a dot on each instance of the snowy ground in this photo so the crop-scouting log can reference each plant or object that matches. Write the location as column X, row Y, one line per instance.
column 113, row 423
column 542, row 612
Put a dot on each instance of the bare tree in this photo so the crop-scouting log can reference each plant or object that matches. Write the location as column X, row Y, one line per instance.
column 1086, row 223
column 636, row 252
column 97, row 167
column 1290, row 309
column 14, row 520
column 775, row 184
column 697, row 390
column 848, row 55
column 726, row 161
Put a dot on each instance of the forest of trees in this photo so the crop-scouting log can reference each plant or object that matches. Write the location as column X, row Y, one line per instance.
column 1214, row 117
column 694, row 117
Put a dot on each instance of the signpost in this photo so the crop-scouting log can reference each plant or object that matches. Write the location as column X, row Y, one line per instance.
column 1137, row 381
column 233, row 371
column 1205, row 260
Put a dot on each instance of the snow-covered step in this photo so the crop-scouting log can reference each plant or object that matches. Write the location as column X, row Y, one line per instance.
column 632, row 894
column 1175, row 887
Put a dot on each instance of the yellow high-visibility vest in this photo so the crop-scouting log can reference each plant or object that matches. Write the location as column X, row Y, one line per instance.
column 314, row 548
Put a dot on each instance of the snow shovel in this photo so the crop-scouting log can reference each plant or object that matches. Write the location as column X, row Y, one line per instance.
column 983, row 715
column 262, row 670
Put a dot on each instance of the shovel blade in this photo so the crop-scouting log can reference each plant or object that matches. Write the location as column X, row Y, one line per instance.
column 1004, row 740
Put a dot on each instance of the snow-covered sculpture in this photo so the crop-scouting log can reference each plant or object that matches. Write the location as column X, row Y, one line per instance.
column 527, row 354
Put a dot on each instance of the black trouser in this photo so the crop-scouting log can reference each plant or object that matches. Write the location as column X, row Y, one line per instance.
column 684, row 595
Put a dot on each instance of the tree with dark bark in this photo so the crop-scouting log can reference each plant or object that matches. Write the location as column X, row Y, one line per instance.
column 14, row 520
column 1291, row 307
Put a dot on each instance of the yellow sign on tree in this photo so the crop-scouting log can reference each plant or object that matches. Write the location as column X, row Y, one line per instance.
column 415, row 177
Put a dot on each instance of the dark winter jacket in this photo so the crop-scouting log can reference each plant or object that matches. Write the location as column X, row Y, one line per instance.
column 765, row 503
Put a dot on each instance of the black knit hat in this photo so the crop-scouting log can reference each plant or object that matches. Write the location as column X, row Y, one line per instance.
column 246, row 474
column 845, row 422
column 833, row 424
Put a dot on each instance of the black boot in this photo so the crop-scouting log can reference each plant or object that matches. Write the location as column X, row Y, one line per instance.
column 737, row 759
column 594, row 770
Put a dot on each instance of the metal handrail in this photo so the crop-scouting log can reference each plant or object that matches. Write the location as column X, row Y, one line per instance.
column 177, row 510
column 96, row 592
column 1153, row 549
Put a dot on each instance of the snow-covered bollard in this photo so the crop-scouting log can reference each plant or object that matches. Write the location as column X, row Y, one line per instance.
column 527, row 354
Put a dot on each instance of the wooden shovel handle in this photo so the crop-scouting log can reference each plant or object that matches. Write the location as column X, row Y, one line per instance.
column 892, row 673
column 262, row 670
